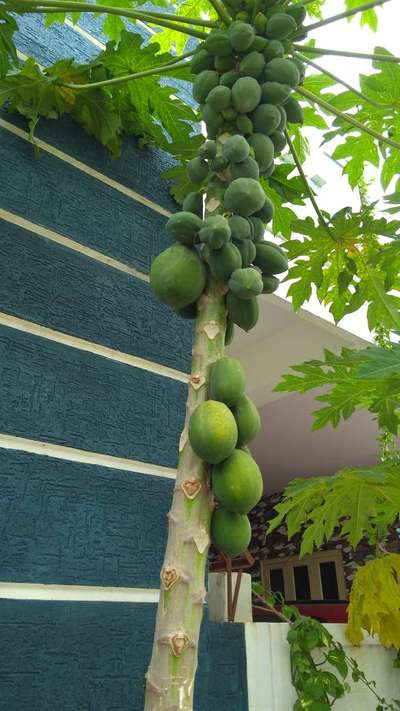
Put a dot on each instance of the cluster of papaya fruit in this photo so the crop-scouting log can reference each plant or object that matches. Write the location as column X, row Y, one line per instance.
column 219, row 430
column 245, row 75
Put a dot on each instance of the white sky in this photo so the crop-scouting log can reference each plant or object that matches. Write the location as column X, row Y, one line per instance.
column 337, row 193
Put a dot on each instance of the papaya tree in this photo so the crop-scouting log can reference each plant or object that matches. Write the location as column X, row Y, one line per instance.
column 254, row 80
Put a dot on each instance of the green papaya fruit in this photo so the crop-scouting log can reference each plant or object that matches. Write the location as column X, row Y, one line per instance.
column 184, row 227
column 276, row 246
column 235, row 149
column 243, row 312
column 240, row 227
column 301, row 67
column 266, row 118
column 280, row 26
column 268, row 170
column 258, row 228
column 246, row 283
column 267, row 211
column 298, row 12
column 178, row 276
column 219, row 98
column 244, row 196
column 229, row 78
column 283, row 122
column 270, row 259
column 273, row 50
column 202, row 85
column 259, row 44
column 272, row 92
column 246, row 94
column 229, row 332
column 248, row 420
column 260, row 23
column 244, row 125
column 279, row 141
column 201, row 61
column 230, row 532
column 215, row 231
column 246, row 169
column 294, row 112
column 212, row 431
column 243, row 16
column 197, row 170
column 237, row 482
column 208, row 150
column 193, row 202
column 213, row 119
column 218, row 44
column 227, row 381
column 247, row 250
column 241, row 36
column 219, row 164
column 263, row 149
column 252, row 65
column 270, row 284
column 283, row 71
column 224, row 64
column 224, row 261
column 229, row 114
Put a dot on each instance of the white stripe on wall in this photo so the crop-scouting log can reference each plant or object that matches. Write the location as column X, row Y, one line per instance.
column 76, row 593
column 70, row 454
column 71, row 244
column 83, row 33
column 85, row 169
column 72, row 341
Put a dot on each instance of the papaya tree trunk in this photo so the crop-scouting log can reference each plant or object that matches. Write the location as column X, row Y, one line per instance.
column 171, row 674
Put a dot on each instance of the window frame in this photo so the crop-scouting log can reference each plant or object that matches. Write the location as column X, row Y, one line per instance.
column 288, row 563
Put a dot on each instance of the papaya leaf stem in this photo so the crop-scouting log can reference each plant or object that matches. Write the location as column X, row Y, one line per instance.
column 221, row 11
column 346, row 117
column 303, row 176
column 338, row 80
column 178, row 18
column 343, row 15
column 344, row 53
column 126, row 77
column 106, row 9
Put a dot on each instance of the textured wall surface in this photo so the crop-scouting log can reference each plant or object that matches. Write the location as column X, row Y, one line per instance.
column 92, row 657
column 74, row 523
column 108, row 307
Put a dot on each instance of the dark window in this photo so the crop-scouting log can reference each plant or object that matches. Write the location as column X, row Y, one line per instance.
column 276, row 579
column 302, row 582
column 330, row 590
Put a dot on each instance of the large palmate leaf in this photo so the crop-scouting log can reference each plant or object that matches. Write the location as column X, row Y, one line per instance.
column 344, row 264
column 8, row 52
column 353, row 502
column 355, row 379
column 148, row 109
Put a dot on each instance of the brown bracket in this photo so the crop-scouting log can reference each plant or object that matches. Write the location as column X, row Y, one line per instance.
column 225, row 564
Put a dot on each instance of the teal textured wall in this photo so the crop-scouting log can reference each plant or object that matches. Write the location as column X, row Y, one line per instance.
column 93, row 375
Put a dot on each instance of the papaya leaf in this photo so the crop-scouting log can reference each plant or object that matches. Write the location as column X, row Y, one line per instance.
column 8, row 52
column 368, row 17
column 353, row 502
column 365, row 379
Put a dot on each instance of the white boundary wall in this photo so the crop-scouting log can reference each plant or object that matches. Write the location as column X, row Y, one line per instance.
column 268, row 669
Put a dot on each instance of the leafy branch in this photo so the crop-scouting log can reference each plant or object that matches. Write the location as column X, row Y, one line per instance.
column 319, row 664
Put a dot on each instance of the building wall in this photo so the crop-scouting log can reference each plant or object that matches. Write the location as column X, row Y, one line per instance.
column 93, row 383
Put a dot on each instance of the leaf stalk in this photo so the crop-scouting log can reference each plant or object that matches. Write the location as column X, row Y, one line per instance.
column 221, row 11
column 345, row 14
column 347, row 117
column 338, row 80
column 67, row 6
column 302, row 174
column 344, row 53
column 126, row 77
